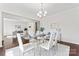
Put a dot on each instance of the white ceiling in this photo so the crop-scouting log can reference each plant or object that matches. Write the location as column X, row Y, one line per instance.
column 31, row 9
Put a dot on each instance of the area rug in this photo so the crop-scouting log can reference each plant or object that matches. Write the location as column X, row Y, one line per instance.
column 59, row 50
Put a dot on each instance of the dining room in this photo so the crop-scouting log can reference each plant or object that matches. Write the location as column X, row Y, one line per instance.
column 39, row 29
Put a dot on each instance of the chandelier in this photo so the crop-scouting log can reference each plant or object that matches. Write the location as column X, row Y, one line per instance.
column 41, row 13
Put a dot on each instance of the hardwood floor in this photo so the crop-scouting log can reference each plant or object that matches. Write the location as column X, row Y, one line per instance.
column 2, row 51
column 14, row 44
column 74, row 48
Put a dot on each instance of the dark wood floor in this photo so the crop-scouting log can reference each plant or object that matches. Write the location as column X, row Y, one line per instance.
column 74, row 48
column 2, row 51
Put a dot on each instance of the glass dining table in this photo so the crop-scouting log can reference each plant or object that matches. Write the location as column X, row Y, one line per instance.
column 37, row 40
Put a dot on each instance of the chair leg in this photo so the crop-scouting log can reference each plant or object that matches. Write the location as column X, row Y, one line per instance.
column 47, row 52
column 19, row 53
column 56, row 48
column 40, row 51
column 34, row 51
column 23, row 54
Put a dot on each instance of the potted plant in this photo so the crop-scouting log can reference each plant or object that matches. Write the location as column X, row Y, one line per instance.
column 41, row 29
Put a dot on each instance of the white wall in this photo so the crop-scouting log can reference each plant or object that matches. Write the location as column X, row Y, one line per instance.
column 31, row 29
column 68, row 21
column 15, row 11
column 0, row 30
column 9, row 25
column 8, row 10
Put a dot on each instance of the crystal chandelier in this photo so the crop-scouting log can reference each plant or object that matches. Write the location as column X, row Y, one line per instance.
column 41, row 13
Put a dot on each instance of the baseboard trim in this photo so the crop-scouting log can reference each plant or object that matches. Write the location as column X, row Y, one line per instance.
column 1, row 47
column 70, row 42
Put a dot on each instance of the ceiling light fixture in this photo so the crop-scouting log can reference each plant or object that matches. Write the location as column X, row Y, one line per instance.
column 41, row 13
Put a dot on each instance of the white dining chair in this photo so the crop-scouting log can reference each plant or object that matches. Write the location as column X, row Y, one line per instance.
column 47, row 45
column 24, row 48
